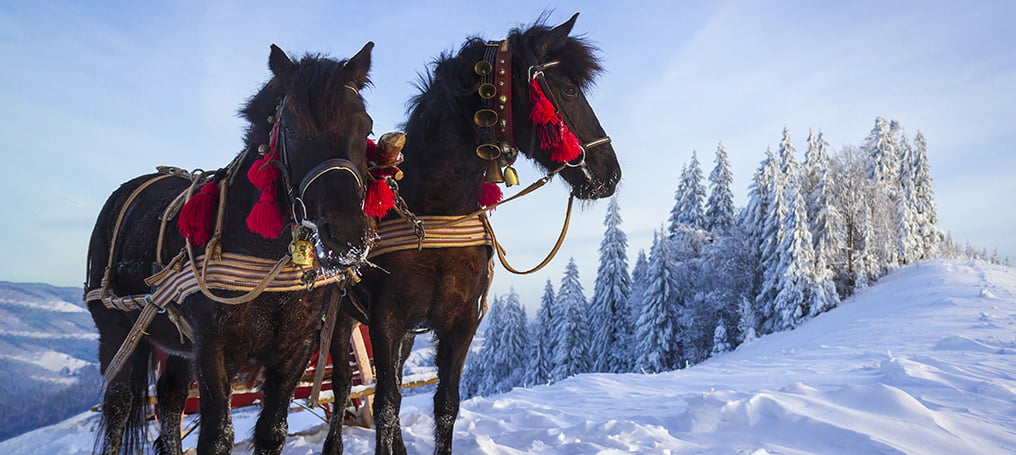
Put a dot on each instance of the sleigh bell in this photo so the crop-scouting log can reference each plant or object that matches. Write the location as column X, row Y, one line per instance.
column 510, row 176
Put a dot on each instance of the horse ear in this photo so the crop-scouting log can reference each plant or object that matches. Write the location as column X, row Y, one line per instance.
column 558, row 35
column 279, row 62
column 359, row 65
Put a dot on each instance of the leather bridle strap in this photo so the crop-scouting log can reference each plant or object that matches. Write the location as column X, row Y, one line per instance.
column 335, row 164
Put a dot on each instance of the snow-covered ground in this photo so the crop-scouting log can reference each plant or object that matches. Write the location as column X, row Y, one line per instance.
column 921, row 363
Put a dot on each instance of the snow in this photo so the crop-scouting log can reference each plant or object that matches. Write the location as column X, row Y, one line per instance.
column 59, row 306
column 923, row 362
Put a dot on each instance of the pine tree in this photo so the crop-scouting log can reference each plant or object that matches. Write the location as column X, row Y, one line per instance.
column 572, row 339
column 719, row 216
column 510, row 362
column 610, row 316
column 770, row 234
column 720, row 341
column 689, row 199
column 482, row 376
column 824, row 220
column 657, row 328
column 925, row 226
column 797, row 289
column 542, row 361
column 883, row 168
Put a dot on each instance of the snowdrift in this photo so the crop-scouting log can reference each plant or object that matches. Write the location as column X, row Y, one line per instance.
column 921, row 363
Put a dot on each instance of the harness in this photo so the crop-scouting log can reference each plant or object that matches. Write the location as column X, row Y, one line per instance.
column 188, row 273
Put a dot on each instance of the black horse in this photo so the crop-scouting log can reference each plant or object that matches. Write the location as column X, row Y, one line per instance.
column 440, row 288
column 312, row 114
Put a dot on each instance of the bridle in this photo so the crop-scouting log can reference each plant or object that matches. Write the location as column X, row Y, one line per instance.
column 297, row 193
column 535, row 72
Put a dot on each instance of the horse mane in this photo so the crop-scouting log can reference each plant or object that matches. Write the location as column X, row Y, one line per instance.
column 449, row 80
column 314, row 74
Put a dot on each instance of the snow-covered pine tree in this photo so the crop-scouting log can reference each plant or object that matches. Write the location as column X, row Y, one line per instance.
column 883, row 168
column 610, row 318
column 752, row 222
column 771, row 234
column 719, row 216
column 720, row 342
column 572, row 330
column 907, row 246
column 510, row 362
column 657, row 329
column 797, row 289
column 925, row 219
column 747, row 321
column 689, row 199
column 542, row 349
column 481, row 378
column 824, row 220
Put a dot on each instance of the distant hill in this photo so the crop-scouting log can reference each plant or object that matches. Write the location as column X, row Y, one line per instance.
column 48, row 356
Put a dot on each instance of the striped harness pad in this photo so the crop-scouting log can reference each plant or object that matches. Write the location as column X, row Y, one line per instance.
column 233, row 272
column 441, row 232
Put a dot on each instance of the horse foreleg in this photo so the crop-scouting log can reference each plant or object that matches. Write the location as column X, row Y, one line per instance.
column 280, row 381
column 452, row 348
column 342, row 379
column 172, row 393
column 387, row 340
column 214, row 376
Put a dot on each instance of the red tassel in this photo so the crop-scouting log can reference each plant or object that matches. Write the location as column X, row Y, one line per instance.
column 567, row 147
column 371, row 149
column 543, row 111
column 266, row 217
column 263, row 172
column 490, row 194
column 198, row 214
column 379, row 199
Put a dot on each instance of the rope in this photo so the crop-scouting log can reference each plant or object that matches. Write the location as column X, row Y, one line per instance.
column 550, row 256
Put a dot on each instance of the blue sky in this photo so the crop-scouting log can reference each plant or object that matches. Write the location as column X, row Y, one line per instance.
column 95, row 94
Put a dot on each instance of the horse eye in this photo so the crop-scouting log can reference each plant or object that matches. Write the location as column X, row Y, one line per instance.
column 570, row 92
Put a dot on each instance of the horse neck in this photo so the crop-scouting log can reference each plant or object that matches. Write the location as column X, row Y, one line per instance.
column 442, row 170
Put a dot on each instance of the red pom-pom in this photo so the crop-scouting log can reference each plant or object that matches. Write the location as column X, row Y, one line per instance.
column 490, row 194
column 263, row 172
column 543, row 110
column 379, row 199
column 198, row 214
column 567, row 147
column 266, row 217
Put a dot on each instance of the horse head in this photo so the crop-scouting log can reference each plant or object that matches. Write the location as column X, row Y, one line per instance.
column 317, row 131
column 563, row 67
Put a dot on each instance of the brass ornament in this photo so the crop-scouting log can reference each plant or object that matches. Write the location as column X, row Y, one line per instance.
column 487, row 90
column 485, row 118
column 302, row 252
column 510, row 176
column 488, row 151
column 482, row 68
column 494, row 174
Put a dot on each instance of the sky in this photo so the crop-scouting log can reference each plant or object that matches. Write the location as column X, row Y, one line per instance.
column 95, row 94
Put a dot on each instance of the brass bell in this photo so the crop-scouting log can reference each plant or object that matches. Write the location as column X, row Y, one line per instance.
column 494, row 174
column 487, row 90
column 488, row 151
column 482, row 68
column 510, row 176
column 485, row 118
